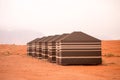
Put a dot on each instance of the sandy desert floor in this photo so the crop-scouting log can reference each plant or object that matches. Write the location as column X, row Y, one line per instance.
column 16, row 65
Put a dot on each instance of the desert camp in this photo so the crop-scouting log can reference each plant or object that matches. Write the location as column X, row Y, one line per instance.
column 67, row 49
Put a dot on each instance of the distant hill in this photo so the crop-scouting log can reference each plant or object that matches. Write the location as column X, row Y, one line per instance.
column 17, row 36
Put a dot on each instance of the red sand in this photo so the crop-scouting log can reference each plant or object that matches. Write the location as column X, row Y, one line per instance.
column 22, row 67
column 12, row 49
column 111, row 47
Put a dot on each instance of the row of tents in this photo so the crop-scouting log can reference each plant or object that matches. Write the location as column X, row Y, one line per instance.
column 73, row 48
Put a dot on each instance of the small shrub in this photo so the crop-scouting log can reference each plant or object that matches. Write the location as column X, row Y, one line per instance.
column 17, row 53
column 111, row 63
column 109, row 55
column 117, row 55
column 7, row 53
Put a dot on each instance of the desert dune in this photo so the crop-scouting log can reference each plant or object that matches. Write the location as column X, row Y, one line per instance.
column 16, row 65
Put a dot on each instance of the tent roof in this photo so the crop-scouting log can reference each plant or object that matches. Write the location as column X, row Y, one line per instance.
column 79, row 37
column 55, row 38
column 48, row 38
column 61, row 37
column 41, row 39
column 33, row 41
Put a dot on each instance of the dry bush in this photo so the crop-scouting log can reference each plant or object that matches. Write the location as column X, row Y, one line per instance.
column 109, row 55
column 6, row 53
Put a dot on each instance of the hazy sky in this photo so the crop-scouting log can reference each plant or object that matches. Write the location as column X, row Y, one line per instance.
column 99, row 18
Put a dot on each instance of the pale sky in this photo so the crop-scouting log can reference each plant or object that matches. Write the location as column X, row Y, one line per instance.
column 99, row 18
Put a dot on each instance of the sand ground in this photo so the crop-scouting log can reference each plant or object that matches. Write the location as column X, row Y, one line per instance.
column 16, row 65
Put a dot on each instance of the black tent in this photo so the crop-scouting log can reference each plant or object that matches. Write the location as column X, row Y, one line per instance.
column 78, row 48
column 39, row 47
column 45, row 47
column 31, row 47
column 52, row 47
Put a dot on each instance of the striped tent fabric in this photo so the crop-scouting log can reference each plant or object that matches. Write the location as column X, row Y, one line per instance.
column 39, row 47
column 34, row 47
column 52, row 48
column 31, row 47
column 45, row 47
column 78, row 48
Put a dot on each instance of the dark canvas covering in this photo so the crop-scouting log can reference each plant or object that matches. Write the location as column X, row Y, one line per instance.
column 75, row 48
column 45, row 46
column 39, row 47
column 34, row 47
column 52, row 47
column 79, row 37
column 30, row 49
column 78, row 48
